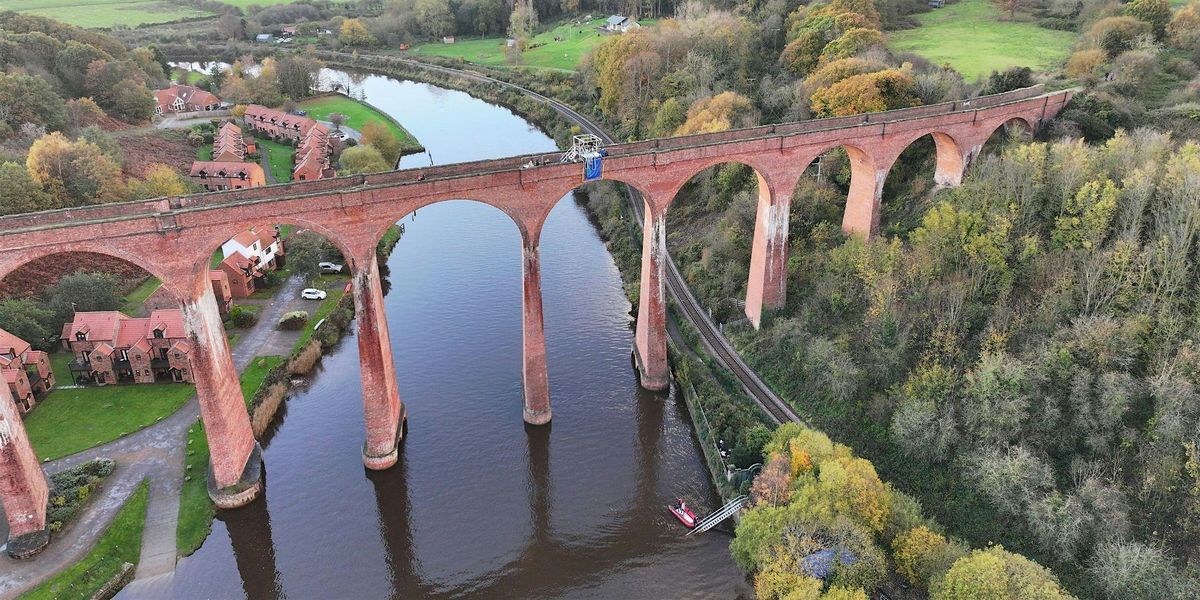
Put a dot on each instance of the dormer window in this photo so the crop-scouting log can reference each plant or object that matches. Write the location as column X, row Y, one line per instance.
column 158, row 334
column 203, row 173
column 81, row 336
column 241, row 175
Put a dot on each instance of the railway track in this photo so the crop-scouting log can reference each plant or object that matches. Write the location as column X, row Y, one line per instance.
column 711, row 336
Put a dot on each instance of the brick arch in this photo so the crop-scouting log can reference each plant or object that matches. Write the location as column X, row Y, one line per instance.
column 554, row 195
column 999, row 124
column 768, row 180
column 144, row 260
column 215, row 236
column 951, row 154
column 382, row 221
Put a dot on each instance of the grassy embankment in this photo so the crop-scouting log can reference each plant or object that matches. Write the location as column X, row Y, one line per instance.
column 106, row 13
column 359, row 114
column 119, row 544
column 971, row 37
column 545, row 53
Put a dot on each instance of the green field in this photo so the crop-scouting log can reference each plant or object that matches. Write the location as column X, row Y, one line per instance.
column 119, row 544
column 244, row 4
column 279, row 156
column 132, row 305
column 106, row 13
column 358, row 114
column 970, row 36
column 564, row 55
column 72, row 420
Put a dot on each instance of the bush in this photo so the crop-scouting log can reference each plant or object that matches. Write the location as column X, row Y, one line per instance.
column 243, row 316
column 70, row 490
column 294, row 320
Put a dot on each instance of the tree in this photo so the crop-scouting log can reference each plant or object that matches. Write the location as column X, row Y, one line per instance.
column 82, row 292
column 231, row 27
column 851, row 43
column 354, row 33
column 71, row 64
column 75, row 173
column 996, row 574
column 997, row 399
column 771, row 485
column 1136, row 571
column 19, row 193
column 378, row 135
column 523, row 22
column 1116, row 34
column 160, row 181
column 360, row 159
column 1184, row 29
column 870, row 92
column 338, row 119
column 1009, row 6
column 434, row 17
column 916, row 552
column 719, row 113
column 802, row 54
column 1010, row 79
column 83, row 112
column 29, row 320
column 306, row 250
column 29, row 99
column 298, row 74
column 1084, row 63
column 1155, row 12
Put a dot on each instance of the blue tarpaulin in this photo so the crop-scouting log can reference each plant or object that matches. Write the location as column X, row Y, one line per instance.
column 591, row 168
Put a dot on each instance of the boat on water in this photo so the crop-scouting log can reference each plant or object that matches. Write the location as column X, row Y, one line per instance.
column 683, row 513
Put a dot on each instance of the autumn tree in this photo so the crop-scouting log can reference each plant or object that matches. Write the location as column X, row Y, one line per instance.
column 354, row 33
column 1183, row 31
column 298, row 74
column 997, row 574
column 362, row 159
column 74, row 173
column 1116, row 34
column 869, row 92
column 771, row 485
column 1155, row 12
column 378, row 136
column 434, row 17
column 726, row 110
column 160, row 181
column 1009, row 6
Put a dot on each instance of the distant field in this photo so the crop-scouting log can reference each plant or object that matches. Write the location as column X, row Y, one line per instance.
column 563, row 55
column 243, row 4
column 106, row 13
column 971, row 37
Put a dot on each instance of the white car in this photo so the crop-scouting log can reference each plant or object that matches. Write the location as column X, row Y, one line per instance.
column 313, row 294
column 328, row 267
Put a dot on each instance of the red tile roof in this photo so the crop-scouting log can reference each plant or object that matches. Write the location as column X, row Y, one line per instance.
column 99, row 325
column 191, row 95
column 11, row 344
column 229, row 169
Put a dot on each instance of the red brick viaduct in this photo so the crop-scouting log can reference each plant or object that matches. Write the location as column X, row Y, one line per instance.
column 173, row 238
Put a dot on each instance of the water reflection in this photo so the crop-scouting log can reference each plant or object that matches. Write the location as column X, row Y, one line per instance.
column 254, row 549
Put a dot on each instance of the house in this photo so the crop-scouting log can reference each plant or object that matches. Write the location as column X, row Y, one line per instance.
column 162, row 298
column 314, row 145
column 242, row 274
column 228, row 144
column 112, row 347
column 620, row 24
column 216, row 176
column 447, row 39
column 289, row 31
column 263, row 37
column 262, row 245
column 26, row 371
column 184, row 98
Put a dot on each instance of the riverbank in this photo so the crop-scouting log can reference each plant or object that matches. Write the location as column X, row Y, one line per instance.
column 358, row 113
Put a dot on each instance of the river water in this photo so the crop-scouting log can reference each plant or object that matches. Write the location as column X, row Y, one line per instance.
column 480, row 505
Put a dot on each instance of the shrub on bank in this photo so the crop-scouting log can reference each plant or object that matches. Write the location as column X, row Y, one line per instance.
column 294, row 320
column 71, row 489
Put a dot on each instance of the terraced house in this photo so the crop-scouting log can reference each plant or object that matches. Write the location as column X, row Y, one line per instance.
column 313, row 143
column 215, row 175
column 229, row 145
column 26, row 371
column 112, row 347
column 248, row 256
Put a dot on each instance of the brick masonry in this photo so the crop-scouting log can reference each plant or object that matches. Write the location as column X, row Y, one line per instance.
column 173, row 238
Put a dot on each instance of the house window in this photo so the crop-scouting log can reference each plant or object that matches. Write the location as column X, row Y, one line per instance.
column 158, row 334
column 125, row 355
column 81, row 336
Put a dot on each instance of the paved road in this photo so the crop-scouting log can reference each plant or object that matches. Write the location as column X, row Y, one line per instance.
column 157, row 453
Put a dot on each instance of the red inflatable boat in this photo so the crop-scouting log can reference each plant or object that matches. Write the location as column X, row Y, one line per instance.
column 683, row 513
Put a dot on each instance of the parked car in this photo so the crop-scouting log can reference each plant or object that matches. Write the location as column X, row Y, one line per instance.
column 328, row 267
column 313, row 294
column 341, row 135
column 300, row 113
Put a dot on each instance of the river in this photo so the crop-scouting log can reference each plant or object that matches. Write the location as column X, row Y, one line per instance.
column 480, row 505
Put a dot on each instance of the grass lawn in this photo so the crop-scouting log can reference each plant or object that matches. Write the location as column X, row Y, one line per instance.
column 204, row 152
column 243, row 4
column 72, row 420
column 279, row 156
column 135, row 298
column 358, row 114
column 119, row 544
column 106, row 13
column 188, row 76
column 564, row 55
column 971, row 37
column 196, row 510
column 254, row 375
